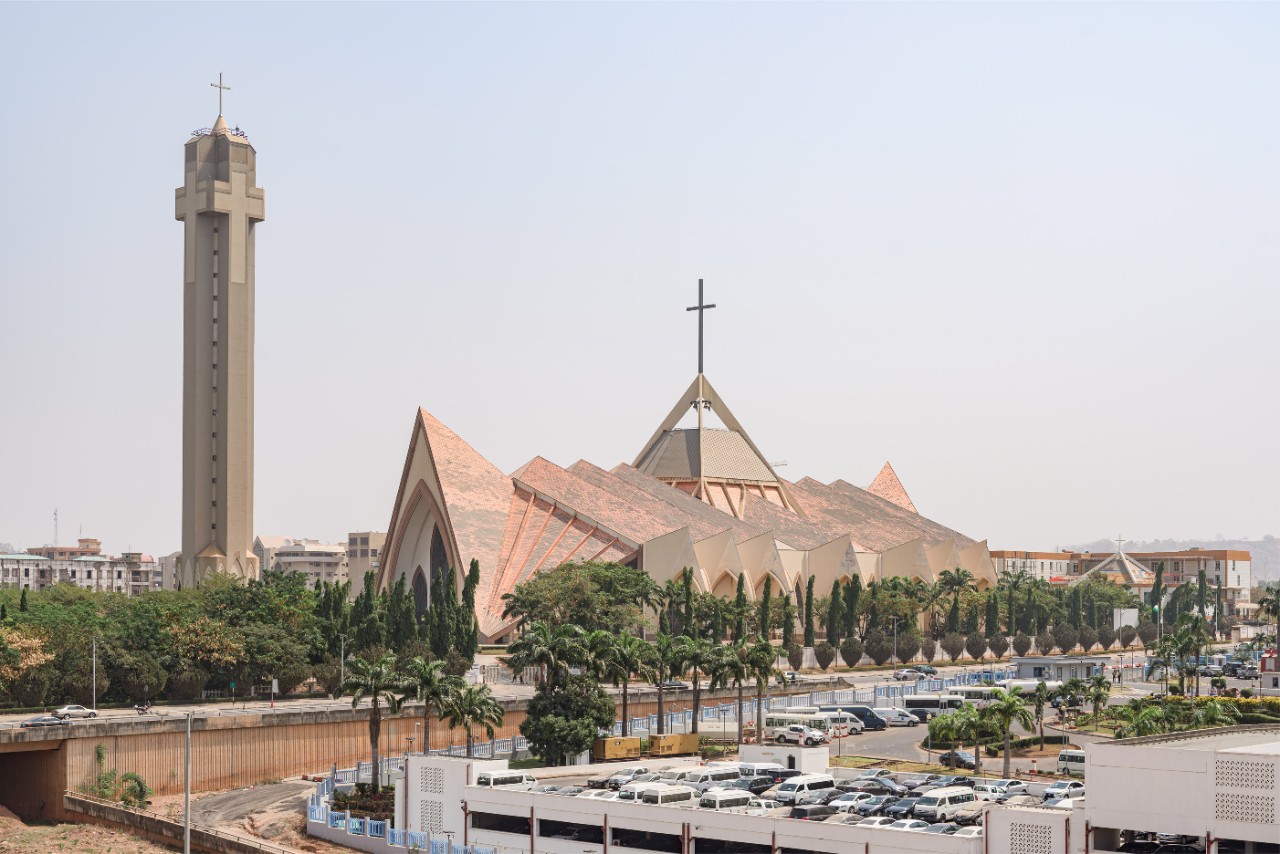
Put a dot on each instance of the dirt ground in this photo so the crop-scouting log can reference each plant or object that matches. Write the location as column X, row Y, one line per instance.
column 19, row 838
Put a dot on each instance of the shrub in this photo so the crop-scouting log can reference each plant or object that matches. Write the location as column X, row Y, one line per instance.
column 928, row 648
column 825, row 653
column 134, row 790
column 953, row 644
column 976, row 645
column 1147, row 631
column 879, row 646
column 1106, row 636
column 908, row 645
column 1044, row 643
column 1065, row 637
column 795, row 656
column 851, row 651
column 1246, row 692
column 1088, row 637
column 1127, row 634
column 1175, row 691
column 188, row 684
column 1021, row 644
column 999, row 645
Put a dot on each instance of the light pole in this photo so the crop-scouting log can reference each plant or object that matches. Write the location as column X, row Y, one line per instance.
column 93, row 685
column 186, row 795
column 342, row 662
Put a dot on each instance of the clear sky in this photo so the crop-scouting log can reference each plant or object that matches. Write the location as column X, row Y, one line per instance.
column 1026, row 252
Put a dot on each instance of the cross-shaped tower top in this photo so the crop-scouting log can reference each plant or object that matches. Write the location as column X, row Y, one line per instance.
column 220, row 89
column 701, row 309
column 1119, row 545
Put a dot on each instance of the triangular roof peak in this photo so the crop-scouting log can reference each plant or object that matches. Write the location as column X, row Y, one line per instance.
column 887, row 486
column 695, row 458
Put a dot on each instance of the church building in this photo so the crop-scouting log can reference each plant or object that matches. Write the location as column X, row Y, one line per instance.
column 701, row 496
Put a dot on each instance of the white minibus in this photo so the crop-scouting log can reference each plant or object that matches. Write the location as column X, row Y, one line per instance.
column 506, row 780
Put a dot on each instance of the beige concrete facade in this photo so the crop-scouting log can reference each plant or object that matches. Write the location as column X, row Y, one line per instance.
column 219, row 205
column 364, row 554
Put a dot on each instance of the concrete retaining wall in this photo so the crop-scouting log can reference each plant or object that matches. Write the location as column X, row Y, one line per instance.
column 158, row 829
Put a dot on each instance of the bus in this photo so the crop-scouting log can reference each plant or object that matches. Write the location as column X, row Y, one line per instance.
column 1028, row 686
column 980, row 694
column 843, row 721
column 787, row 717
column 932, row 704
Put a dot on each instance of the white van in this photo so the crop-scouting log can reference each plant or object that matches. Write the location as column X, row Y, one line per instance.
column 677, row 775
column 506, row 780
column 631, row 792
column 1071, row 762
column 725, row 799
column 942, row 804
column 757, row 769
column 709, row 777
column 669, row 795
column 792, row 790
column 897, row 717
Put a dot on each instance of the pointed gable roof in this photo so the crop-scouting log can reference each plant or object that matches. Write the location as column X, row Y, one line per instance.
column 887, row 486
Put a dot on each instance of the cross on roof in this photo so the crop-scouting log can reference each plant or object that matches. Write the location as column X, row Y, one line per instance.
column 701, row 309
column 1120, row 545
column 220, row 89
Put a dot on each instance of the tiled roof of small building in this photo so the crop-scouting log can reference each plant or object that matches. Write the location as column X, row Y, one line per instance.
column 874, row 523
column 890, row 488
column 725, row 456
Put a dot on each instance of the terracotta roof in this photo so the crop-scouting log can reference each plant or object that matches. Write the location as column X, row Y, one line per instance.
column 476, row 494
column 887, row 486
column 686, row 503
column 874, row 523
column 791, row 528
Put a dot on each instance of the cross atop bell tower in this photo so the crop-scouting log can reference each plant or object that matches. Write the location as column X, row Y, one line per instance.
column 701, row 308
column 219, row 205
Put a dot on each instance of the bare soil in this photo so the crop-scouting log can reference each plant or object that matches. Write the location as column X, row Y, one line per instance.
column 19, row 838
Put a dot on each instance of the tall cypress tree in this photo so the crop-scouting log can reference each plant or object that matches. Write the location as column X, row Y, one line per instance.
column 835, row 615
column 22, row 602
column 740, row 610
column 1217, row 611
column 1202, row 594
column 808, row 612
column 686, row 587
column 852, row 597
column 993, row 614
column 1157, row 593
column 788, row 621
column 765, row 603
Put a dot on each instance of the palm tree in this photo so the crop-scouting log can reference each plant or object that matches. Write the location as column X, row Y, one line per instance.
column 1013, row 582
column 598, row 652
column 696, row 655
column 624, row 656
column 1214, row 713
column 968, row 724
column 1139, row 718
column 1190, row 636
column 1269, row 604
column 427, row 682
column 667, row 664
column 378, row 681
column 956, row 582
column 1005, row 709
column 1097, row 693
column 474, row 706
column 1163, row 655
column 550, row 650
column 931, row 597
column 731, row 665
column 763, row 661
column 1039, row 699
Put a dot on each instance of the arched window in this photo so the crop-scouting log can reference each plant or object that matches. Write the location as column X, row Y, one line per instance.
column 439, row 557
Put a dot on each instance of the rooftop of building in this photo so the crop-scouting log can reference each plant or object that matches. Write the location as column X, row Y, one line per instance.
column 1260, row 739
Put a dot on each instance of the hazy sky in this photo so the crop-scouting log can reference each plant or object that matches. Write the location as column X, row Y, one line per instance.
column 1027, row 252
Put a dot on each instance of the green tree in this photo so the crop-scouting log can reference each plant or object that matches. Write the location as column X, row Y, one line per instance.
column 852, row 600
column 1040, row 698
column 627, row 655
column 952, row 644
column 955, row 583
column 808, row 612
column 1096, row 694
column 134, row 790
column 562, row 721
column 552, row 650
column 851, row 650
column 22, row 602
column 1138, row 718
column 835, row 615
column 473, row 706
column 788, row 622
column 1005, row 709
column 731, row 666
column 740, row 608
column 879, row 646
column 402, row 625
column 992, row 618
column 426, row 682
column 667, row 665
column 378, row 682
column 766, row 600
column 696, row 656
column 1157, row 593
column 762, row 659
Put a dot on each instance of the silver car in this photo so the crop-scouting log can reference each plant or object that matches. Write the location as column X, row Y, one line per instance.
column 74, row 711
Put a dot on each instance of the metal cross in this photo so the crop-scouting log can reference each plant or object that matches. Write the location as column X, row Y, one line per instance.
column 700, row 308
column 1119, row 545
column 220, row 89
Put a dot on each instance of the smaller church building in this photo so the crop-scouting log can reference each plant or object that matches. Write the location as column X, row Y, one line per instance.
column 701, row 496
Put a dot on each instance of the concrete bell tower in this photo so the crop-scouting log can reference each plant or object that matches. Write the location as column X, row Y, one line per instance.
column 219, row 205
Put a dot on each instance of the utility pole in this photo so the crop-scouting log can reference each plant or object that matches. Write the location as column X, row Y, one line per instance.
column 93, row 686
column 186, row 796
column 342, row 662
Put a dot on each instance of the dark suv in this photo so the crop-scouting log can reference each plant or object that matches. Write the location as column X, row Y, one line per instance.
column 754, row 785
column 812, row 812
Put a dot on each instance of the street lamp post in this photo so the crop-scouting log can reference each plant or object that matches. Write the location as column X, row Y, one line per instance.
column 93, row 686
column 186, row 795
column 342, row 662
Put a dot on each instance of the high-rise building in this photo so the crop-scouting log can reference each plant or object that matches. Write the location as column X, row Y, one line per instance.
column 219, row 205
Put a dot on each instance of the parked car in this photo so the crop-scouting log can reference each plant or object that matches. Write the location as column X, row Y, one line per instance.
column 799, row 734
column 1249, row 672
column 943, row 827
column 620, row 779
column 73, row 711
column 822, row 796
column 601, row 782
column 876, row 805
column 785, row 774
column 968, row 832
column 909, row 824
column 569, row 791
column 754, row 785
column 1012, row 787
column 673, row 685
column 849, row 800
column 972, row 813
column 922, row 715
column 1070, row 701
column 957, row 780
column 877, row 787
column 1064, row 789
column 926, row 669
column 791, row 676
column 915, row 781
column 545, row 790
column 873, row 773
column 874, row 821
column 957, row 759
column 1023, row 801
column 811, row 812
column 906, row 675
column 42, row 720
column 901, row 808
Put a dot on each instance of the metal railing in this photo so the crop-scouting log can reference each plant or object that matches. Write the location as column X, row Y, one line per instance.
column 175, row 825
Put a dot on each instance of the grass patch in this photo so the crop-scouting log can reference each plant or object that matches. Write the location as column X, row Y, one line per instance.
column 531, row 762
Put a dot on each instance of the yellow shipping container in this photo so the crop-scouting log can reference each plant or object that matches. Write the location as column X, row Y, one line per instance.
column 673, row 744
column 616, row 748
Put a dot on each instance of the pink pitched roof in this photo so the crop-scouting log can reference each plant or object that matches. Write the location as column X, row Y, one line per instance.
column 875, row 523
column 890, row 488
